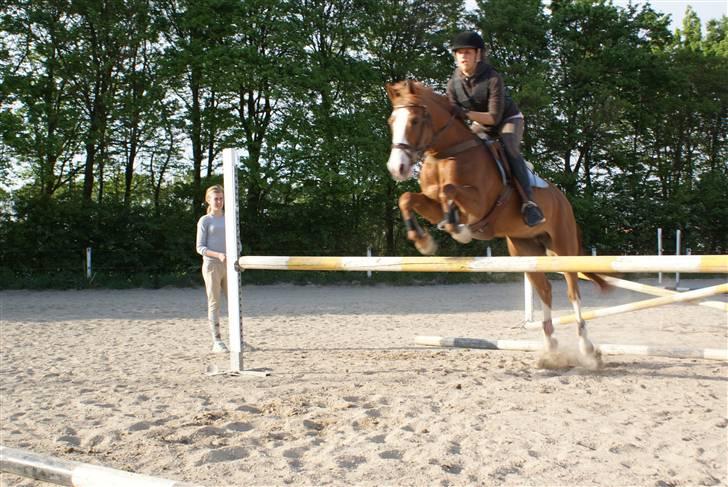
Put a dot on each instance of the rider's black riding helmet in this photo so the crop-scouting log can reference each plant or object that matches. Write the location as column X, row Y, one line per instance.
column 465, row 40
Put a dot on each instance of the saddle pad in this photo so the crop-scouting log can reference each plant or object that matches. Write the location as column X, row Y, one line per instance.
column 536, row 180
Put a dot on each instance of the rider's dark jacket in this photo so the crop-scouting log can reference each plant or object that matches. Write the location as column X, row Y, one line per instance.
column 482, row 92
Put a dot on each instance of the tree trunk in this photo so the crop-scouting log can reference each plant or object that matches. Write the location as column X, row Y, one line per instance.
column 389, row 216
column 196, row 134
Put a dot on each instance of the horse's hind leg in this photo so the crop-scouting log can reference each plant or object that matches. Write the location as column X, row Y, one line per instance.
column 572, row 283
column 527, row 247
column 431, row 210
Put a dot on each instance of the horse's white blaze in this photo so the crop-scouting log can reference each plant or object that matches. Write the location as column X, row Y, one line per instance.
column 399, row 164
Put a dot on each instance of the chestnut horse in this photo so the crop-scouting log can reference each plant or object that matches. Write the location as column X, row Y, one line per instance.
column 463, row 192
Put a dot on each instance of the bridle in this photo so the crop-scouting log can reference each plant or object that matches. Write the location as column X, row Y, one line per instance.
column 415, row 153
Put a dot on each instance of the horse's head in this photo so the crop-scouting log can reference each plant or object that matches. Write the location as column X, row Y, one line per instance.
column 411, row 127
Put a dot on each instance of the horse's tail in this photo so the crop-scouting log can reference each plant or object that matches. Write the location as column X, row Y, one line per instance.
column 603, row 285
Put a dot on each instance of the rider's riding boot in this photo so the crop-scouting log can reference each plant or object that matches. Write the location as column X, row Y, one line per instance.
column 532, row 214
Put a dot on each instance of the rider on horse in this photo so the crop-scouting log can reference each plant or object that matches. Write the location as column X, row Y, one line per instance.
column 478, row 94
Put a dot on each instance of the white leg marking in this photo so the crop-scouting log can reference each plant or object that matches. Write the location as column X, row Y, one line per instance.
column 550, row 342
column 585, row 346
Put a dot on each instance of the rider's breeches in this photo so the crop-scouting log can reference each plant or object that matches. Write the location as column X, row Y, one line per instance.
column 511, row 134
column 214, row 273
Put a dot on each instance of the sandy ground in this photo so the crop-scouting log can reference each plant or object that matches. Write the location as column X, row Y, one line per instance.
column 117, row 378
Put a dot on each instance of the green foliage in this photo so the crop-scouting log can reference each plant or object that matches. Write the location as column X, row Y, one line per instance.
column 113, row 117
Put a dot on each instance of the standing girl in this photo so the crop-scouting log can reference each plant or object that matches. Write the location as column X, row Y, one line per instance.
column 211, row 246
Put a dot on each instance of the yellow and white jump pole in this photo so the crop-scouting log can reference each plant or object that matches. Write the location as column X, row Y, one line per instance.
column 646, row 304
column 599, row 264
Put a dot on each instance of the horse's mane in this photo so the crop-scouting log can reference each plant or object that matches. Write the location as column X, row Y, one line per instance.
column 424, row 91
column 441, row 100
column 417, row 93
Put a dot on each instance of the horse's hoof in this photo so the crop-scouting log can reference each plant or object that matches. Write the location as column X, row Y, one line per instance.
column 462, row 234
column 586, row 347
column 592, row 361
column 426, row 245
column 552, row 344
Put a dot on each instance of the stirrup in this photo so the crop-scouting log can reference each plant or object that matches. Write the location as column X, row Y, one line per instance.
column 528, row 204
column 534, row 216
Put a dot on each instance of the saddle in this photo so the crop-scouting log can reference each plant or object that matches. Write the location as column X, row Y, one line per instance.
column 482, row 229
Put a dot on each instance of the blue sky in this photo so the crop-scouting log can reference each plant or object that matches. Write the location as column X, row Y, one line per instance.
column 706, row 9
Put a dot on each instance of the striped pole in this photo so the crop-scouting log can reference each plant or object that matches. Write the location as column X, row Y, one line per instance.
column 604, row 348
column 654, row 290
column 74, row 474
column 624, row 308
column 233, row 249
column 602, row 264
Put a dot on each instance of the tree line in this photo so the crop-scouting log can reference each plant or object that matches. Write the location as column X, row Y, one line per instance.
column 114, row 115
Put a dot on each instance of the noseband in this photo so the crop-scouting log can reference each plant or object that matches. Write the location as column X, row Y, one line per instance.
column 415, row 153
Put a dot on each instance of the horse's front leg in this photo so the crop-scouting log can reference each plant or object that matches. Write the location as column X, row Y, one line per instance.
column 468, row 198
column 409, row 203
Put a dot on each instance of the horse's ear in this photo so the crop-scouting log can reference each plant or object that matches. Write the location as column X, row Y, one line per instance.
column 391, row 93
column 410, row 85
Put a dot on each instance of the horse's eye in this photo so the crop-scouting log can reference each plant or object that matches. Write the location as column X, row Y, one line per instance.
column 415, row 121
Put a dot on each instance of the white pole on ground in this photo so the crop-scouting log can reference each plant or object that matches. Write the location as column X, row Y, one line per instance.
column 232, row 251
column 677, row 252
column 594, row 251
column 636, row 306
column 659, row 252
column 604, row 348
column 57, row 471
column 654, row 290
